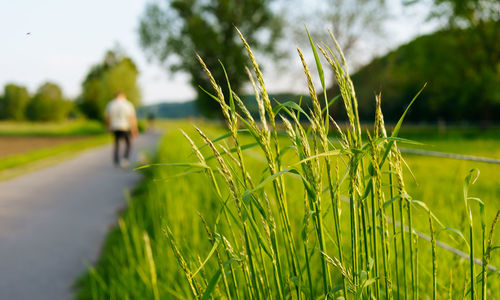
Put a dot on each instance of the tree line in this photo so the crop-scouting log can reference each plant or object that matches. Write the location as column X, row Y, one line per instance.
column 116, row 72
column 46, row 104
column 460, row 84
column 460, row 64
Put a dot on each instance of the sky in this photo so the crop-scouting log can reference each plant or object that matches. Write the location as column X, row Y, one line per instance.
column 59, row 40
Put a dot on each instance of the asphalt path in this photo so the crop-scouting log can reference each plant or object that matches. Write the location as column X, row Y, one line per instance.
column 53, row 221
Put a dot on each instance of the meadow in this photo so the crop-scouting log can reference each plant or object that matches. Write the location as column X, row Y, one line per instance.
column 281, row 208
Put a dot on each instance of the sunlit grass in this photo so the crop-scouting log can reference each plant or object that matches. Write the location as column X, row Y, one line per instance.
column 279, row 211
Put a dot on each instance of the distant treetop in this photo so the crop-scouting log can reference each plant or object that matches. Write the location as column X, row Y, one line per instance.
column 116, row 72
column 172, row 31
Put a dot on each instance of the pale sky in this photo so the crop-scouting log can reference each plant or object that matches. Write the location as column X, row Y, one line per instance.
column 67, row 37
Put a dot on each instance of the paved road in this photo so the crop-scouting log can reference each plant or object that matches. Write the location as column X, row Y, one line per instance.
column 54, row 220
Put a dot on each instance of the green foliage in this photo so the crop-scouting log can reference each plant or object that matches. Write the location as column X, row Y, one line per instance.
column 448, row 60
column 48, row 104
column 116, row 73
column 477, row 32
column 466, row 12
column 172, row 31
column 13, row 103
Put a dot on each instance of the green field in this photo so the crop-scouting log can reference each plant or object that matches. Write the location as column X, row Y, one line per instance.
column 68, row 128
column 138, row 261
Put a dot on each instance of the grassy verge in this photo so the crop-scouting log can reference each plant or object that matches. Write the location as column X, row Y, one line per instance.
column 124, row 267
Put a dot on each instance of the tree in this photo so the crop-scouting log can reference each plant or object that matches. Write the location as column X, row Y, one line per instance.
column 171, row 32
column 48, row 104
column 14, row 101
column 116, row 73
column 482, row 50
column 355, row 23
column 437, row 59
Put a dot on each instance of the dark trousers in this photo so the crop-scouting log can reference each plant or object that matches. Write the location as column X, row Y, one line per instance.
column 119, row 134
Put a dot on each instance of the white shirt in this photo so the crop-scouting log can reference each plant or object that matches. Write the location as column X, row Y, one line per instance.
column 119, row 112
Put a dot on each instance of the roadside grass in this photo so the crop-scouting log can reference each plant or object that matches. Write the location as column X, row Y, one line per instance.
column 123, row 269
column 164, row 199
column 257, row 214
column 68, row 128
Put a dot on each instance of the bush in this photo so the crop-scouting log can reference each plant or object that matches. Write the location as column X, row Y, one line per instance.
column 13, row 103
column 48, row 104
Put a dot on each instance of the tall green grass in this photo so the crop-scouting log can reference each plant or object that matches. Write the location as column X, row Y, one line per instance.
column 289, row 216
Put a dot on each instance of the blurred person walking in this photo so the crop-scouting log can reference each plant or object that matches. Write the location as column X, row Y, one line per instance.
column 121, row 120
